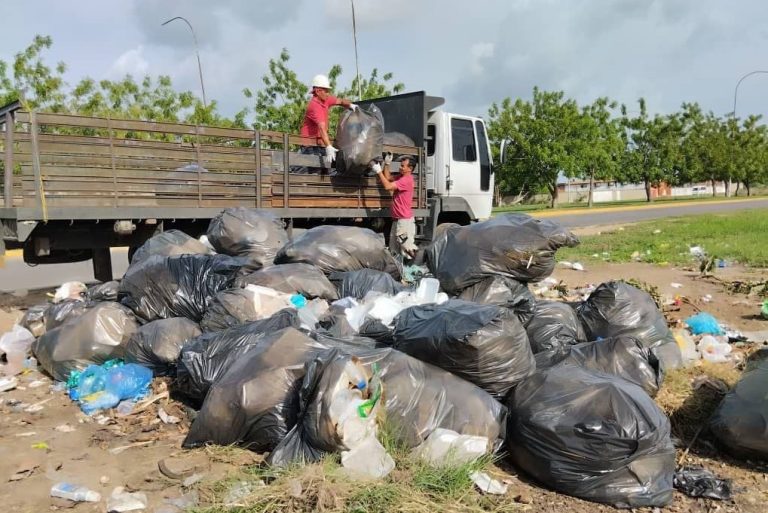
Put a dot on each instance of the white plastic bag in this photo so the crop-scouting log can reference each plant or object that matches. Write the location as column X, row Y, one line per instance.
column 15, row 344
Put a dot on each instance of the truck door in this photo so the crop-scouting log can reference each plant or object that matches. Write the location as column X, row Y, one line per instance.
column 471, row 175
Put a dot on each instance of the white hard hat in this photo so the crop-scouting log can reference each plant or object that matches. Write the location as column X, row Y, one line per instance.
column 321, row 81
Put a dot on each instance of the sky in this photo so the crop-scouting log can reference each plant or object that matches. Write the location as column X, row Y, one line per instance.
column 472, row 53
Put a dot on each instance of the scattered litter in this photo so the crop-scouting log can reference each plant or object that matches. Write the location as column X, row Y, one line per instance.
column 24, row 470
column 74, row 493
column 697, row 252
column 104, row 480
column 125, row 408
column 102, row 420
column 706, row 298
column 699, row 482
column 656, row 231
column 123, row 448
column 40, row 445
column 120, row 501
column 764, row 309
column 241, row 490
column 576, row 266
column 714, row 349
column 186, row 501
column 15, row 345
column 70, row 290
column 167, row 419
column 8, row 383
column 37, row 383
column 191, row 480
column 446, row 447
column 104, row 386
column 687, row 346
column 486, row 484
column 675, row 285
column 26, row 434
column 703, row 324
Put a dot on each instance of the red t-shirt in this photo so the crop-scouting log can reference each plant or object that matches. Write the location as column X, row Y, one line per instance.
column 317, row 112
column 401, row 202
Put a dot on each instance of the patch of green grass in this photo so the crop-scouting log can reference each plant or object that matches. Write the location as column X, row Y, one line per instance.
column 449, row 481
column 737, row 237
column 375, row 498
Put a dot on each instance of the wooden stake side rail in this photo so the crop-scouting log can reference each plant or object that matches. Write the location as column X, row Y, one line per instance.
column 62, row 160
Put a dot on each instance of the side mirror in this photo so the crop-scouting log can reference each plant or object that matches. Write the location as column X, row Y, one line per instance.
column 503, row 150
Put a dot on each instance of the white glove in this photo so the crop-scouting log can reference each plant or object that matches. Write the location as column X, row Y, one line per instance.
column 387, row 159
column 353, row 107
column 330, row 155
column 376, row 167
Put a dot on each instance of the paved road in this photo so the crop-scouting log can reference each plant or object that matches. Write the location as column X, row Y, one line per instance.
column 619, row 215
column 16, row 275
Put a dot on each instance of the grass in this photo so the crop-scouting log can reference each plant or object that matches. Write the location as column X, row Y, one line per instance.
column 413, row 486
column 532, row 207
column 737, row 237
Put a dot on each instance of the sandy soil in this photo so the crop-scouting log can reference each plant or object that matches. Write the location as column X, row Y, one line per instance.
column 83, row 452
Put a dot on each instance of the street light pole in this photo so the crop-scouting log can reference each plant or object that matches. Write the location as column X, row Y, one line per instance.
column 197, row 52
column 357, row 66
column 736, row 89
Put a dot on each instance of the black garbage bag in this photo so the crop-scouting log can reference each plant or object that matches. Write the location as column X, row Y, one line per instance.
column 98, row 335
column 617, row 308
column 360, row 139
column 247, row 232
column 357, row 284
column 59, row 313
column 591, row 435
column 176, row 286
column 439, row 240
column 484, row 344
column 340, row 248
column 107, row 291
column 229, row 308
column 170, row 243
column 513, row 245
column 304, row 279
column 554, row 326
column 157, row 344
column 741, row 420
column 503, row 291
column 34, row 319
column 699, row 482
column 208, row 357
column 622, row 356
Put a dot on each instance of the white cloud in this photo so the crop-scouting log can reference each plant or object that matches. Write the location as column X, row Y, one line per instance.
column 132, row 62
column 480, row 53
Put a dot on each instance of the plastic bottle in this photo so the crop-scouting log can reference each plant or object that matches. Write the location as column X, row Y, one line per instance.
column 74, row 493
column 428, row 289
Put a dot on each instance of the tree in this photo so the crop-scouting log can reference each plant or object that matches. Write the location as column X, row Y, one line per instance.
column 601, row 145
column 31, row 81
column 652, row 148
column 281, row 102
column 544, row 137
column 751, row 153
column 707, row 145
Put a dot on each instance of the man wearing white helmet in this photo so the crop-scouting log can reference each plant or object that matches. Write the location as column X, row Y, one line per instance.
column 316, row 118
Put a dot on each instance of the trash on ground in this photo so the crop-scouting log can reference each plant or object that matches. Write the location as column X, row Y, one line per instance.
column 445, row 447
column 74, row 493
column 8, row 383
column 503, row 291
column 699, row 482
column 603, row 440
column 64, row 428
column 676, row 285
column 167, row 419
column 714, row 349
column 247, row 232
column 157, row 344
column 486, row 484
column 301, row 278
column 25, row 469
column 554, row 325
column 358, row 284
column 70, row 290
column 764, row 309
column 104, row 386
column 170, row 243
column 703, row 323
column 120, row 500
column 240, row 490
column 687, row 345
column 740, row 419
column 576, row 266
column 14, row 346
column 697, row 252
column 239, row 306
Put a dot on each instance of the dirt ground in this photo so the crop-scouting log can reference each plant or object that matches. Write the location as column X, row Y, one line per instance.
column 45, row 439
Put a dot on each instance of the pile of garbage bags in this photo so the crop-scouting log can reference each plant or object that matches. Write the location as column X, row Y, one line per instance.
column 313, row 345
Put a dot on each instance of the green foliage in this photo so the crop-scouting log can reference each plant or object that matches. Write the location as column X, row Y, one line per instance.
column 33, row 82
column 738, row 237
column 601, row 146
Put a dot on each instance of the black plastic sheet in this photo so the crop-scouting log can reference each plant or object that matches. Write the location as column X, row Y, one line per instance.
column 157, row 344
column 176, row 286
column 247, row 232
column 553, row 327
column 484, row 344
column 591, row 435
column 339, row 248
column 699, row 482
column 170, row 243
column 357, row 284
column 59, row 313
column 513, row 245
column 107, row 291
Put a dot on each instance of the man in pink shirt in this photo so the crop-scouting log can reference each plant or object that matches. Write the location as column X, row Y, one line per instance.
column 316, row 119
column 403, row 234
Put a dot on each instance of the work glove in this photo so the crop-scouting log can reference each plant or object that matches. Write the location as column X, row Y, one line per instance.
column 387, row 158
column 353, row 107
column 330, row 155
column 376, row 167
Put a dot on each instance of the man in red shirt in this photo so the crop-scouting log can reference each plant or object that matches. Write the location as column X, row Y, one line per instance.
column 316, row 119
column 403, row 234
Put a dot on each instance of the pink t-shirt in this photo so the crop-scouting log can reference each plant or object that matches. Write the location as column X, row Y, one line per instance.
column 401, row 202
column 317, row 112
